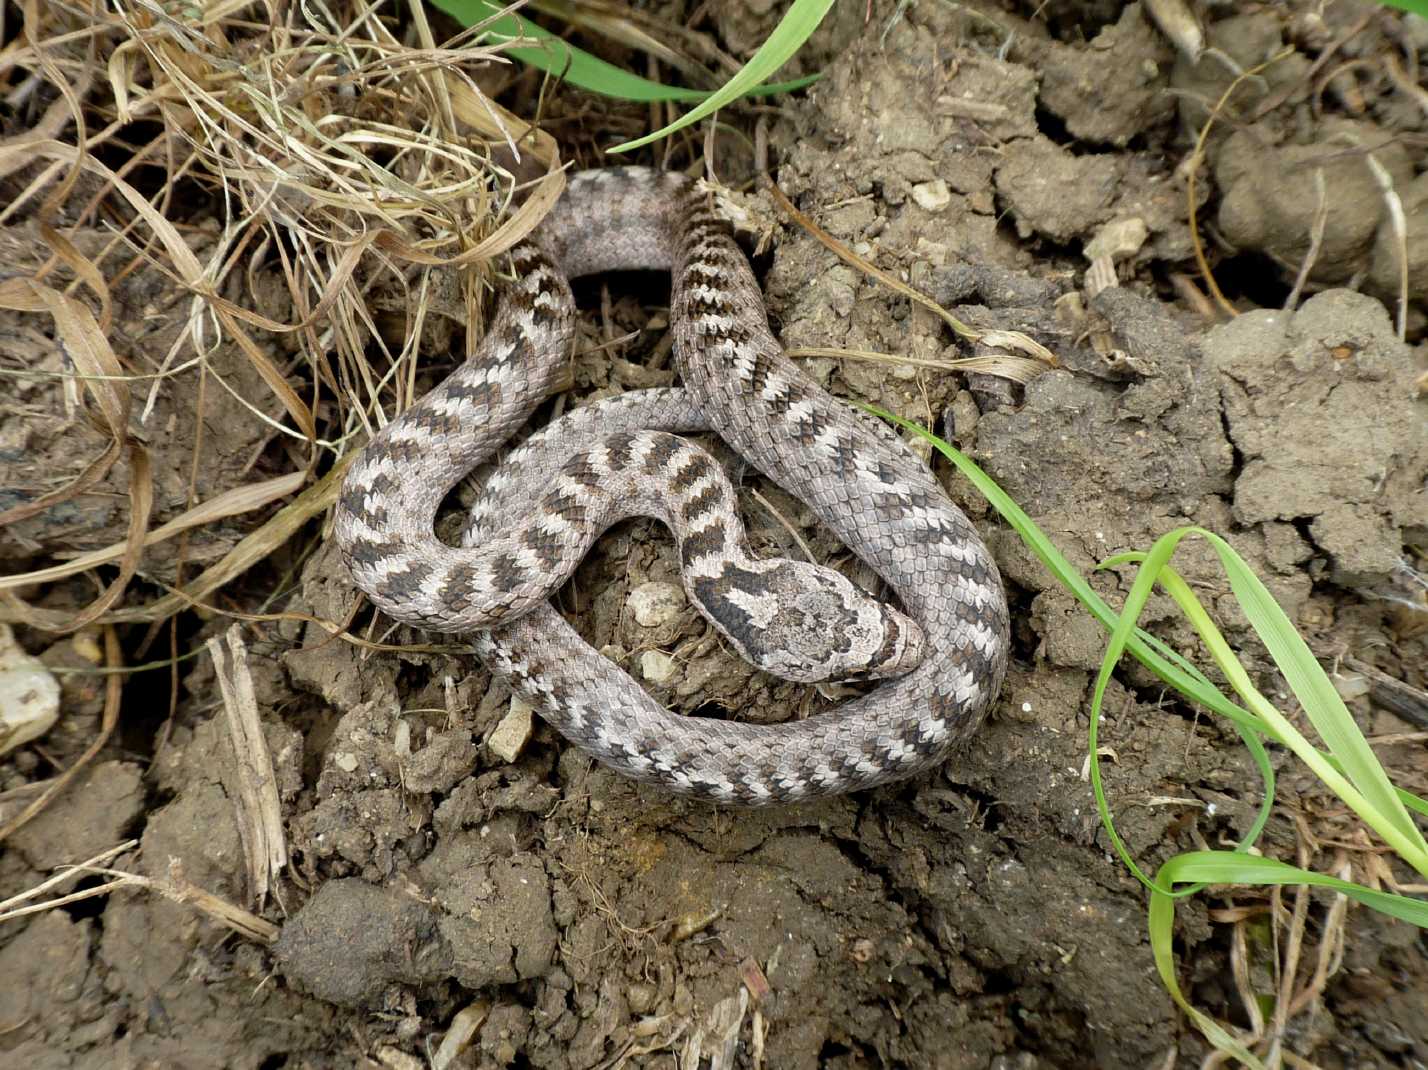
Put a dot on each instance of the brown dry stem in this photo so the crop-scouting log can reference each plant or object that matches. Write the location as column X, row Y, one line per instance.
column 250, row 782
column 1192, row 169
column 355, row 165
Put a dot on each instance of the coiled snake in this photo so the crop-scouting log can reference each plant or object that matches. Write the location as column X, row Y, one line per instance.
column 620, row 457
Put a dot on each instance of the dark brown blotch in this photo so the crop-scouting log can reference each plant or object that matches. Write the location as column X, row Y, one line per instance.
column 581, row 471
column 546, row 549
column 507, row 573
column 620, row 449
column 691, row 472
column 404, row 586
column 699, row 544
column 706, row 501
column 567, row 507
column 663, row 449
column 368, row 552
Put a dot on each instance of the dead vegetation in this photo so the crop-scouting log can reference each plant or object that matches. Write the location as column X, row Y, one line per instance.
column 366, row 166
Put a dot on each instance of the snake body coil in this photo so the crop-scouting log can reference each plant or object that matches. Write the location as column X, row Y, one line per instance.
column 619, row 457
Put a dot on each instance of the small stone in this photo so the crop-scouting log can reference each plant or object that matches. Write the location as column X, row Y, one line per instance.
column 932, row 196
column 1118, row 239
column 345, row 760
column 29, row 694
column 513, row 733
column 656, row 603
column 657, row 667
column 1350, row 685
column 641, row 997
column 397, row 1059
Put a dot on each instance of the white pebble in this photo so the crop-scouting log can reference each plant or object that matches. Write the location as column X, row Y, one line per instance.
column 513, row 733
column 657, row 667
column 932, row 196
column 29, row 695
column 1119, row 239
column 656, row 603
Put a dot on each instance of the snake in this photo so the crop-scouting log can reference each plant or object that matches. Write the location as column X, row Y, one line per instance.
column 940, row 659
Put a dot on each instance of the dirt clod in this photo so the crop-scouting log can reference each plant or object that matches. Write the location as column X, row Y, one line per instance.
column 1320, row 406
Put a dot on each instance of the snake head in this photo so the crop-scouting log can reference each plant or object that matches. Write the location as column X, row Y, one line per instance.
column 809, row 623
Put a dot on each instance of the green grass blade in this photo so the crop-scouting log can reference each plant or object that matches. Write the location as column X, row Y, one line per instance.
column 1413, row 802
column 1281, row 729
column 797, row 24
column 1408, row 799
column 1216, row 867
column 1417, row 7
column 1211, row 867
column 1322, row 704
column 1161, row 927
column 1155, row 655
column 557, row 57
column 1264, row 718
column 1121, row 633
column 1151, row 565
column 1222, row 867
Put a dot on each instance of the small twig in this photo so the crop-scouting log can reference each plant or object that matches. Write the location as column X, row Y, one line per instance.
column 233, row 502
column 1193, row 168
column 1190, row 294
column 783, row 521
column 1331, row 949
column 73, row 897
column 253, row 548
column 1403, row 700
column 255, row 793
column 1244, row 987
column 1316, row 239
column 1017, row 369
column 1396, row 219
column 1014, row 340
column 1404, row 84
column 1274, row 101
column 64, row 873
column 243, row 922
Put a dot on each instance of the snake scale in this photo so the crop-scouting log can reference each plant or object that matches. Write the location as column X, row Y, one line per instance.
column 945, row 658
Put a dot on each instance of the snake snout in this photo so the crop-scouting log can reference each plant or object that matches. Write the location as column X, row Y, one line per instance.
column 827, row 628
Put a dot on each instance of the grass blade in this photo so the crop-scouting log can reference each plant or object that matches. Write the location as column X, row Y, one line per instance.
column 801, row 19
column 1350, row 769
column 559, row 58
column 1161, row 927
column 1150, row 569
column 1321, row 702
column 1144, row 647
column 1222, row 867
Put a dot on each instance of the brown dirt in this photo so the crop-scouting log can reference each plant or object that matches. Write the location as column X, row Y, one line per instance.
column 973, row 918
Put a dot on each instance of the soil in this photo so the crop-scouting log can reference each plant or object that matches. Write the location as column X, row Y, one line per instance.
column 449, row 856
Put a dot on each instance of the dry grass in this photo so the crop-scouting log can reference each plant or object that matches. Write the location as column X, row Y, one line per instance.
column 366, row 167
column 174, row 886
column 362, row 170
column 1284, row 954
